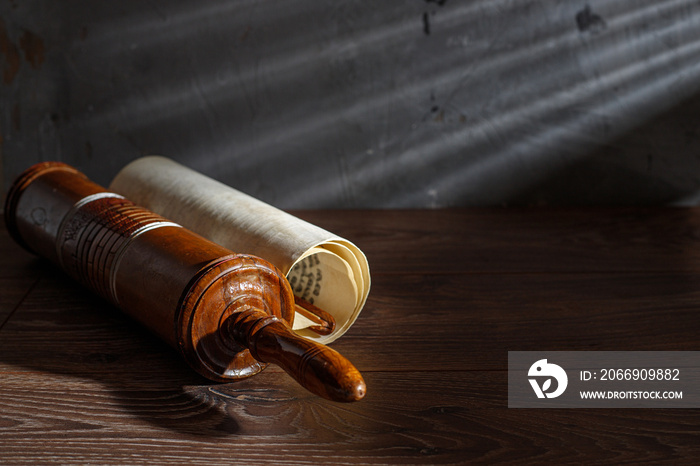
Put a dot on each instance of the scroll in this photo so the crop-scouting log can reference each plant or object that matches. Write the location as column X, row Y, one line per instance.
column 325, row 270
column 228, row 314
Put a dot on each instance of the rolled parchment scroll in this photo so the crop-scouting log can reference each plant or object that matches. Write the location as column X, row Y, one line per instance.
column 327, row 271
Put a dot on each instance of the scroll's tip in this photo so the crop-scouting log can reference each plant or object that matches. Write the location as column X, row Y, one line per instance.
column 359, row 392
column 355, row 389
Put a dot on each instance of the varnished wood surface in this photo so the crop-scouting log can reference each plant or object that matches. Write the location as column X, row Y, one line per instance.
column 452, row 293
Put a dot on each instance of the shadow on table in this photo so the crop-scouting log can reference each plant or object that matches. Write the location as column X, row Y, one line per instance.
column 66, row 333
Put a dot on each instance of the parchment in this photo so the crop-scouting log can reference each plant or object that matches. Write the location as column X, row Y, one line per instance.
column 326, row 270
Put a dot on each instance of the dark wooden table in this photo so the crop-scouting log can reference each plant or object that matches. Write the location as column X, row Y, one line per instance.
column 453, row 291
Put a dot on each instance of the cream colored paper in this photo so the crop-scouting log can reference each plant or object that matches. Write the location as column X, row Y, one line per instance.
column 329, row 271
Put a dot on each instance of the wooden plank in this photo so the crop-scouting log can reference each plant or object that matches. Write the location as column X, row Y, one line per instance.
column 63, row 328
column 494, row 240
column 261, row 420
column 411, row 322
column 521, row 240
column 469, row 322
column 82, row 383
column 408, row 419
column 12, row 292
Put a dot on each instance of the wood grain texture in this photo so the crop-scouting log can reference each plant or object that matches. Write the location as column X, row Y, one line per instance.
column 521, row 240
column 13, row 292
column 82, row 383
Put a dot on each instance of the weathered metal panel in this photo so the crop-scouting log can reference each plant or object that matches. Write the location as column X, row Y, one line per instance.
column 365, row 104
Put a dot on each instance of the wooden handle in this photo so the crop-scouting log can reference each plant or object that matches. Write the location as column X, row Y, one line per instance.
column 316, row 367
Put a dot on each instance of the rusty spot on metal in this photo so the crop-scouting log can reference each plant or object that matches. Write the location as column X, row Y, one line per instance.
column 9, row 51
column 33, row 48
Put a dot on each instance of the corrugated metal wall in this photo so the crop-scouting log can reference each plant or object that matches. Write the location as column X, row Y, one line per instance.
column 417, row 103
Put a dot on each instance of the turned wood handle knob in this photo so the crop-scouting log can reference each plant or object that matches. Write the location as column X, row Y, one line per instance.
column 320, row 369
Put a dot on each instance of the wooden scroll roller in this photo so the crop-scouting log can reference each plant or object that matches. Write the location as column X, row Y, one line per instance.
column 228, row 314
